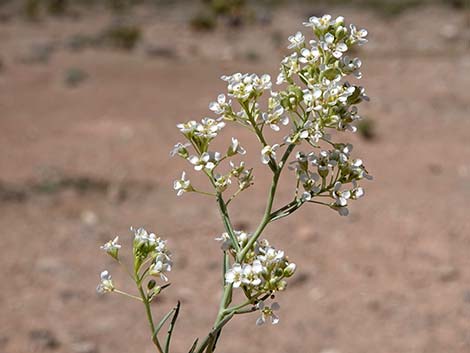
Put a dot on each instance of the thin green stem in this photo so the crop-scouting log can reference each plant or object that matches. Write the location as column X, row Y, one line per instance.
column 148, row 312
column 226, row 220
column 269, row 205
column 127, row 295
column 204, row 193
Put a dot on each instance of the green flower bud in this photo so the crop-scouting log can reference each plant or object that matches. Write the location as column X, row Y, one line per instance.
column 151, row 284
column 289, row 270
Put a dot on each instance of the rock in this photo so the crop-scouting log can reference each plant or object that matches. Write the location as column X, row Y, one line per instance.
column 84, row 347
column 435, row 169
column 330, row 350
column 49, row 265
column 316, row 294
column 44, row 339
column 38, row 54
column 448, row 273
column 74, row 76
column 450, row 32
column 466, row 296
column 153, row 50
column 89, row 218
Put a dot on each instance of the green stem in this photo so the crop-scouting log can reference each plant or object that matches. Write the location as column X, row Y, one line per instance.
column 127, row 294
column 148, row 311
column 269, row 205
column 226, row 220
column 212, row 334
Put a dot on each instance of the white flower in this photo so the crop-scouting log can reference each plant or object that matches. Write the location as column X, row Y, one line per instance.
column 222, row 182
column 349, row 65
column 339, row 50
column 208, row 128
column 356, row 192
column 341, row 197
column 187, row 128
column 329, row 44
column 290, row 269
column 106, row 284
column 235, row 148
column 142, row 237
column 268, row 313
column 309, row 55
column 242, row 86
column 274, row 117
column 162, row 247
column 321, row 23
column 221, row 106
column 358, row 36
column 242, row 236
column 225, row 241
column 270, row 255
column 268, row 153
column 235, row 275
column 206, row 161
column 112, row 247
column 182, row 185
column 160, row 266
column 251, row 273
column 289, row 66
column 180, row 149
column 296, row 40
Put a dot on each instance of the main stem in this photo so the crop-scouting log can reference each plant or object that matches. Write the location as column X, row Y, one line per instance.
column 222, row 314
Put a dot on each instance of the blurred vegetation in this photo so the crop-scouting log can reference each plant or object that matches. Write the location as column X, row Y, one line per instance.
column 74, row 76
column 203, row 21
column 391, row 7
column 367, row 129
column 236, row 11
column 122, row 36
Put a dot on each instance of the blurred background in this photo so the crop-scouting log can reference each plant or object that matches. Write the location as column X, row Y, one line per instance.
column 90, row 92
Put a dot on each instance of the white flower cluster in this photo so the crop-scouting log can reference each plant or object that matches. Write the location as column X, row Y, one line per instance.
column 314, row 103
column 263, row 269
column 199, row 136
column 332, row 171
column 149, row 246
column 146, row 247
column 244, row 86
column 321, row 65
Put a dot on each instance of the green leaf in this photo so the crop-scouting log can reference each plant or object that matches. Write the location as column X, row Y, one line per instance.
column 331, row 73
column 162, row 322
column 193, row 347
column 176, row 311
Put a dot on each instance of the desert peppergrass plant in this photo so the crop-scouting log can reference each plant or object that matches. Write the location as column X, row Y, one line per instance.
column 314, row 101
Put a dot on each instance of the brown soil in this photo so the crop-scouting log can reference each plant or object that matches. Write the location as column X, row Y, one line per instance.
column 80, row 165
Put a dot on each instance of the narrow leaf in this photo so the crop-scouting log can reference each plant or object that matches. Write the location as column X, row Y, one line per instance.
column 172, row 326
column 193, row 347
column 162, row 322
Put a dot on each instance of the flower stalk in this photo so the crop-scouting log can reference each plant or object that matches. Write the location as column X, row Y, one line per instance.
column 313, row 99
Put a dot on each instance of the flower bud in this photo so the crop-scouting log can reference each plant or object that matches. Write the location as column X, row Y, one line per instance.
column 156, row 291
column 281, row 285
column 323, row 172
column 151, row 284
column 289, row 270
